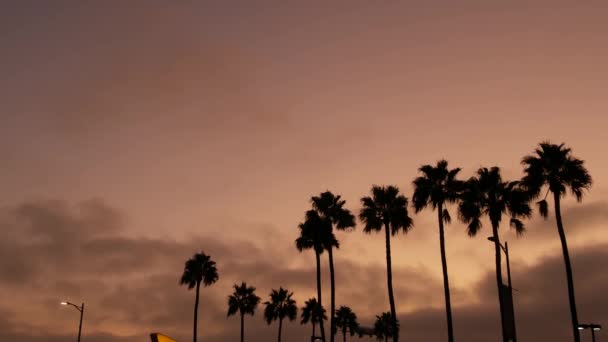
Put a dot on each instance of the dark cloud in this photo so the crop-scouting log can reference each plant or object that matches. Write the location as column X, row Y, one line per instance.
column 578, row 218
column 130, row 284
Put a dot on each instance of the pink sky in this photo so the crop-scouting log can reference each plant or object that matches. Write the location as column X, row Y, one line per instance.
column 196, row 125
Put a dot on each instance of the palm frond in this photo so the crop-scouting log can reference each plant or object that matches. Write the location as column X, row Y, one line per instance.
column 446, row 216
column 474, row 226
column 518, row 226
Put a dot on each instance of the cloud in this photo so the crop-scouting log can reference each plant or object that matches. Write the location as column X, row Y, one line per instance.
column 579, row 220
column 55, row 251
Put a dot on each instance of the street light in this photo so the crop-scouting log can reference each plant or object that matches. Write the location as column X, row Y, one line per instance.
column 505, row 249
column 593, row 327
column 81, row 310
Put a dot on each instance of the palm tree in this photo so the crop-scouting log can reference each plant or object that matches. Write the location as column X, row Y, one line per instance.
column 386, row 207
column 314, row 313
column 244, row 301
column 554, row 166
column 487, row 194
column 198, row 269
column 384, row 326
column 315, row 233
column 346, row 319
column 330, row 207
column 280, row 306
column 436, row 187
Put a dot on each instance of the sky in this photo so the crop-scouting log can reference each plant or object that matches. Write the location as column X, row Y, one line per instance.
column 135, row 134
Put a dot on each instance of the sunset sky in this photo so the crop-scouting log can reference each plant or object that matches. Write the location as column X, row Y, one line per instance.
column 136, row 133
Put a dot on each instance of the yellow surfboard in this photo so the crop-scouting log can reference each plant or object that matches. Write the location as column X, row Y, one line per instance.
column 156, row 337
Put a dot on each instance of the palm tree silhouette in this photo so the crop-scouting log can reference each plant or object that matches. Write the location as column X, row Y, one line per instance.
column 315, row 233
column 554, row 166
column 384, row 326
column 436, row 187
column 330, row 207
column 346, row 320
column 487, row 194
column 386, row 207
column 243, row 301
column 198, row 269
column 314, row 313
column 280, row 306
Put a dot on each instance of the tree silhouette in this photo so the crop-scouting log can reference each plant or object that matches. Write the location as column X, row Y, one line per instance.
column 553, row 166
column 315, row 233
column 346, row 320
column 487, row 194
column 436, row 187
column 384, row 327
column 330, row 207
column 243, row 301
column 198, row 269
column 280, row 306
column 386, row 208
column 314, row 313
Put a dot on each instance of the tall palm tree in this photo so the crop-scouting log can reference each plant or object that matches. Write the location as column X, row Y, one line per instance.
column 554, row 166
column 198, row 269
column 244, row 301
column 346, row 320
column 487, row 194
column 330, row 207
column 384, row 327
column 280, row 306
column 436, row 187
column 315, row 233
column 386, row 208
column 314, row 313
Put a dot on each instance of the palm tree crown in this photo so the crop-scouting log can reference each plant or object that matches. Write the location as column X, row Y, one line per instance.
column 243, row 300
column 199, row 269
column 315, row 233
column 437, row 185
column 312, row 312
column 280, row 306
column 346, row 320
column 554, row 166
column 487, row 194
column 383, row 329
column 331, row 207
column 385, row 207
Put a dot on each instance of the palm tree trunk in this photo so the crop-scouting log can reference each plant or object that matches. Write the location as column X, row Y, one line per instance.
column 198, row 287
column 280, row 328
column 321, row 325
column 562, row 237
column 389, row 280
column 242, row 328
column 313, row 329
column 333, row 293
column 446, row 282
column 344, row 335
column 499, row 279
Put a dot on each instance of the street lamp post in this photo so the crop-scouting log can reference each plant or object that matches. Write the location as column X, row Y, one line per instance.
column 593, row 327
column 81, row 310
column 505, row 249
